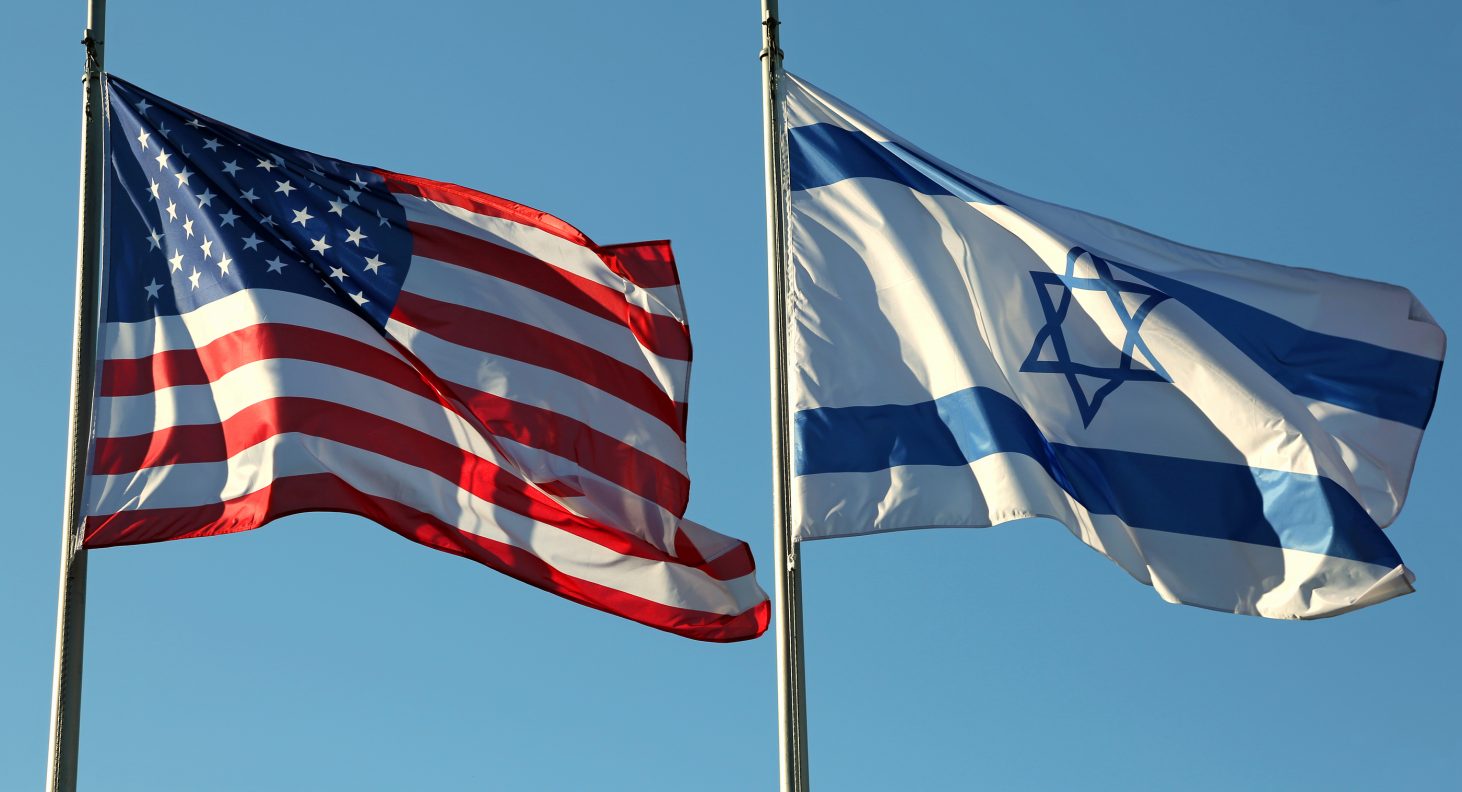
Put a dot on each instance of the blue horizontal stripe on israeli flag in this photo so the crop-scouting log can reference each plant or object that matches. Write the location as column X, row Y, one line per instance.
column 823, row 154
column 1217, row 500
column 1370, row 379
column 1375, row 380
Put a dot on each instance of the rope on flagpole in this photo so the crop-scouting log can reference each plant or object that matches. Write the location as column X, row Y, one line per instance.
column 791, row 686
column 71, row 600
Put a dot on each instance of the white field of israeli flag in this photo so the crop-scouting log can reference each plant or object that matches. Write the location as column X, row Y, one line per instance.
column 1231, row 432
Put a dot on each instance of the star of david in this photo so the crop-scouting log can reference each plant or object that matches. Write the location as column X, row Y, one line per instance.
column 1052, row 335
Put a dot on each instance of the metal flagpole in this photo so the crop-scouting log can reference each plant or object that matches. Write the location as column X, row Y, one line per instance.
column 791, row 687
column 71, row 602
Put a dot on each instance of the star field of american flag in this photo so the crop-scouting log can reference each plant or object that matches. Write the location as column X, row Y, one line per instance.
column 218, row 210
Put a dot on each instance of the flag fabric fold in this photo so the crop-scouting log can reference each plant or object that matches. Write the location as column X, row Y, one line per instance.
column 286, row 332
column 1232, row 432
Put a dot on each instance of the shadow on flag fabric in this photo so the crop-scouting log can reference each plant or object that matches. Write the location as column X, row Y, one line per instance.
column 1233, row 433
column 285, row 332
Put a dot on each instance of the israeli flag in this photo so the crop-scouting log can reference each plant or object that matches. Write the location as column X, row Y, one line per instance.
column 1233, row 433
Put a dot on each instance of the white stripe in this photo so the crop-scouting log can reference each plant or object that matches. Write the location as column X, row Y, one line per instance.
column 602, row 501
column 1379, row 453
column 382, row 476
column 1214, row 573
column 460, row 286
column 885, row 303
column 260, row 380
column 244, row 308
column 544, row 388
column 546, row 247
column 1287, row 584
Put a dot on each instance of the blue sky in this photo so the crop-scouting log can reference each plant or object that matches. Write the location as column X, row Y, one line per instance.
column 324, row 652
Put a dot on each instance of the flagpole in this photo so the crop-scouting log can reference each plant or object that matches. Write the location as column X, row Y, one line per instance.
column 71, row 601
column 791, row 687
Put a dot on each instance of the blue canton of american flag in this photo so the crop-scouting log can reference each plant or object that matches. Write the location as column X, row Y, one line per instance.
column 286, row 332
column 219, row 210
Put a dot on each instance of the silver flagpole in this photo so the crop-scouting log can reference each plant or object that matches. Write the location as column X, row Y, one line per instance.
column 71, row 602
column 791, row 688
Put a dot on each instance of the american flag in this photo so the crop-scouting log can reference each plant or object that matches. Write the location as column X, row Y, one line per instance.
column 285, row 332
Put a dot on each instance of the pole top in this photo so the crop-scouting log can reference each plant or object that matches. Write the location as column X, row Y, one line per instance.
column 773, row 41
column 92, row 41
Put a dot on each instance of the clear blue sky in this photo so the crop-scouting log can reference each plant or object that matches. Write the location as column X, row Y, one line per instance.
column 324, row 652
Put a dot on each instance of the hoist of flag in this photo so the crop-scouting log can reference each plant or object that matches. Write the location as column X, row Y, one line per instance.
column 285, row 332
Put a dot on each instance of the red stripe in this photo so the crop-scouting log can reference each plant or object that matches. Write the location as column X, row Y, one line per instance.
column 663, row 335
column 647, row 264
column 484, row 204
column 202, row 443
column 650, row 268
column 562, row 489
column 324, row 492
column 509, row 338
column 605, row 456
column 205, row 364
column 536, row 427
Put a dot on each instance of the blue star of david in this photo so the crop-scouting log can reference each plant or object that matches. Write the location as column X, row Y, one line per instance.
column 1128, row 369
